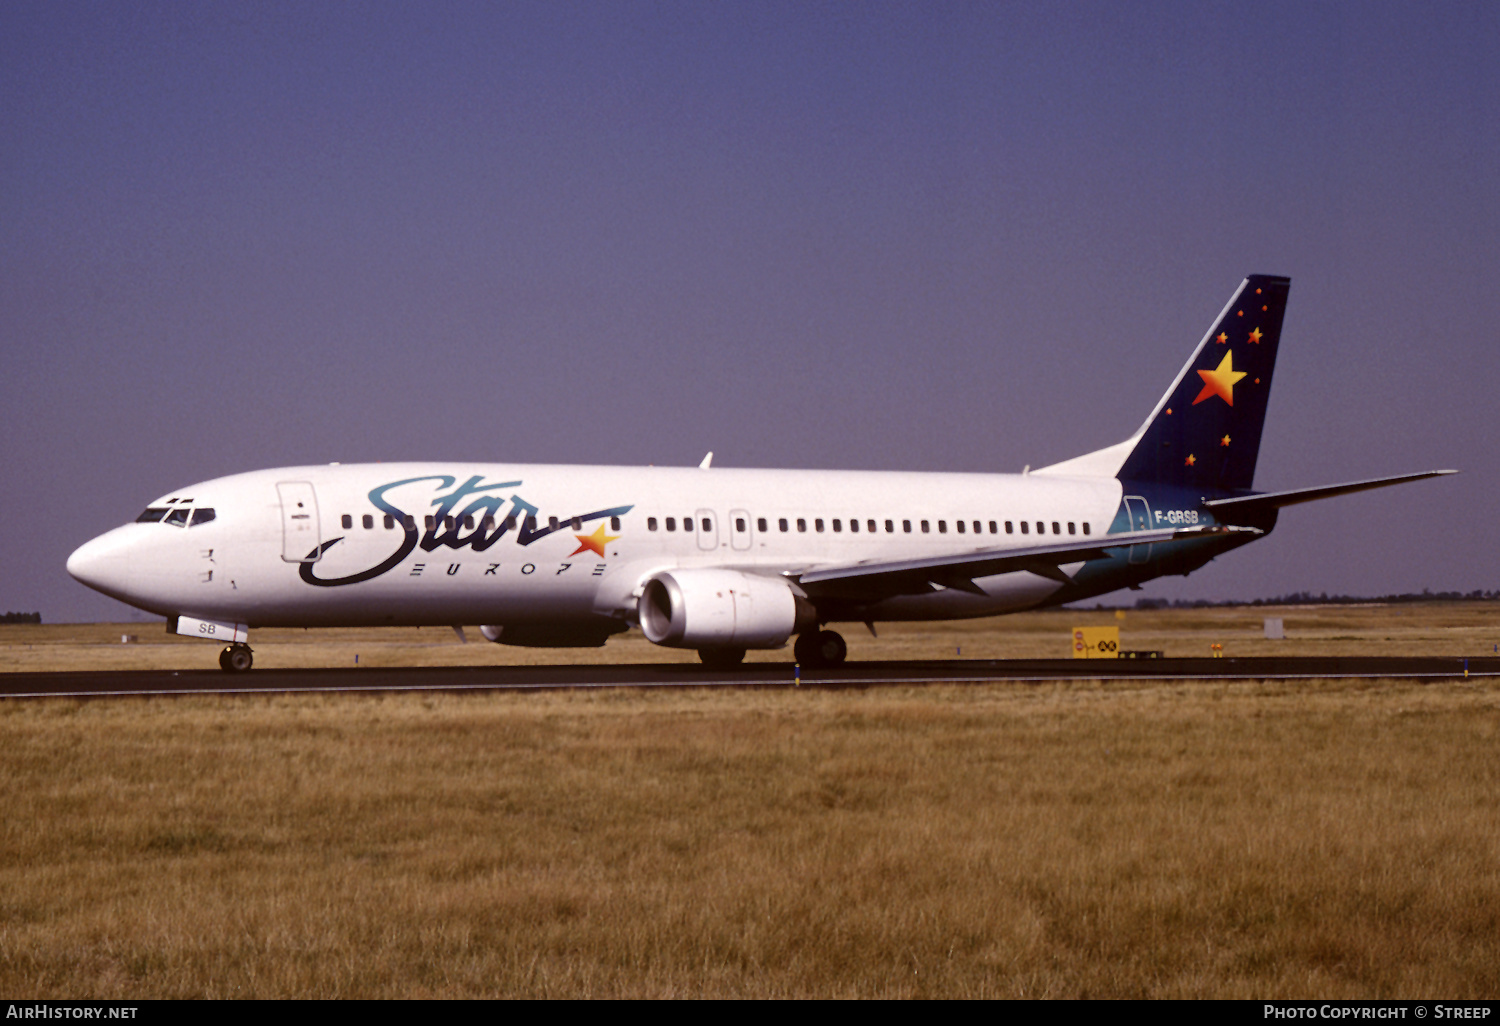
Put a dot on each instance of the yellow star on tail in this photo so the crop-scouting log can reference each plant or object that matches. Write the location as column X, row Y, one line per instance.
column 593, row 542
column 1220, row 381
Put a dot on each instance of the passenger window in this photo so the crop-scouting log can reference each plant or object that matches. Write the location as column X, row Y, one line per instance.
column 960, row 526
column 551, row 523
column 801, row 524
column 368, row 521
column 782, row 524
column 760, row 524
column 854, row 526
column 708, row 525
column 1041, row 527
column 428, row 521
column 1056, row 527
column 906, row 527
column 976, row 527
column 202, row 516
column 993, row 527
column 1025, row 527
column 650, row 523
column 1010, row 528
column 838, row 525
column 487, row 524
column 925, row 528
column 1085, row 527
column 469, row 522
column 408, row 522
column 870, row 526
column 1072, row 528
column 178, row 517
column 890, row 527
column 347, row 521
column 614, row 523
column 577, row 523
column 151, row 515
column 671, row 523
column 448, row 523
column 942, row 527
column 510, row 523
column 739, row 525
column 818, row 524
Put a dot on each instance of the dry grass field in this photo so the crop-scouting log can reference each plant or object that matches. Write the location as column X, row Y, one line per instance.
column 1450, row 628
column 1333, row 839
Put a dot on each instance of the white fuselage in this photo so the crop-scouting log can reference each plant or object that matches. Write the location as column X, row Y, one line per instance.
column 263, row 561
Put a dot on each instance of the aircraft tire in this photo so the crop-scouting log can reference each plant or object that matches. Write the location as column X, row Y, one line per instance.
column 236, row 659
column 721, row 658
column 820, row 648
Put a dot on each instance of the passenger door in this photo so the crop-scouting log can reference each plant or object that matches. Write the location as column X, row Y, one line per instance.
column 301, row 538
column 1140, row 520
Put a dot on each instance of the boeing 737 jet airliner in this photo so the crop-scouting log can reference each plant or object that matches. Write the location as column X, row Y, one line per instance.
column 716, row 560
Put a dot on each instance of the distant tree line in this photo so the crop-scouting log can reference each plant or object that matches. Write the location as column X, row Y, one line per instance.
column 21, row 618
column 1307, row 598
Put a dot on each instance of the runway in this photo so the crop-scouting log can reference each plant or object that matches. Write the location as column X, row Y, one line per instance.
column 850, row 675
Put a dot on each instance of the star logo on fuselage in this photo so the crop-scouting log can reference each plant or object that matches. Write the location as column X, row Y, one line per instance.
column 1220, row 381
column 593, row 542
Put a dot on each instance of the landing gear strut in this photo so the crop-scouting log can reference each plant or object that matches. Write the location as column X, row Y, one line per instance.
column 820, row 648
column 236, row 659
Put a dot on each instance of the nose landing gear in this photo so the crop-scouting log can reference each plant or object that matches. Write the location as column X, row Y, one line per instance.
column 236, row 659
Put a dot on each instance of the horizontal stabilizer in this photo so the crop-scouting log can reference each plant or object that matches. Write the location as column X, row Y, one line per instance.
column 958, row 571
column 1250, row 504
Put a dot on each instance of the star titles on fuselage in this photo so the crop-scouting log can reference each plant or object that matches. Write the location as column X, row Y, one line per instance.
column 448, row 524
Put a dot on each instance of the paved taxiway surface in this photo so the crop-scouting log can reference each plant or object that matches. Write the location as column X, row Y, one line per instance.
column 872, row 674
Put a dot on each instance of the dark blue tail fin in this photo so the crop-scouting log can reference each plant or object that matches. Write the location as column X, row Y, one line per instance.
column 1205, row 432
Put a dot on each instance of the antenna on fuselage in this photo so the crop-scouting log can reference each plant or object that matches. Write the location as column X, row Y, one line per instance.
column 706, row 460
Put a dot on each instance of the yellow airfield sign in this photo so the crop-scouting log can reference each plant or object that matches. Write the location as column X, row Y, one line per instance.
column 1096, row 642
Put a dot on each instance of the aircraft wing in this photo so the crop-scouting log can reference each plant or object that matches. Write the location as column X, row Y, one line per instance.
column 872, row 580
column 1275, row 500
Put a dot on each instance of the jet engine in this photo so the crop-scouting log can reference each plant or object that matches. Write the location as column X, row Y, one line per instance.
column 721, row 609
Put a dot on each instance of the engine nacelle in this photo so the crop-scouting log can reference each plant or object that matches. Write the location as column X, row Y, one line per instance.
column 707, row 608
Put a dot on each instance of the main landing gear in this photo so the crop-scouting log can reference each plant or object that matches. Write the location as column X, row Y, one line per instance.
column 721, row 658
column 236, row 659
column 820, row 648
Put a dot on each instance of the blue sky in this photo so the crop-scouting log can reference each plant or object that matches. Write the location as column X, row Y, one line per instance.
column 909, row 236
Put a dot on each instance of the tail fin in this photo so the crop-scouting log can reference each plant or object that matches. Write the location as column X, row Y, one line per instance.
column 1205, row 432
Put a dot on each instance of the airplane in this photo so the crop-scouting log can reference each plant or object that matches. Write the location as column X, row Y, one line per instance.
column 714, row 559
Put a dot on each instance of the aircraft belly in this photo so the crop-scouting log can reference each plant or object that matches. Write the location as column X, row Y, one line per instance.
column 423, row 591
column 1003, row 593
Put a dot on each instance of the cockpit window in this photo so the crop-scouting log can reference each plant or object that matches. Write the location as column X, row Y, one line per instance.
column 202, row 515
column 179, row 516
column 151, row 515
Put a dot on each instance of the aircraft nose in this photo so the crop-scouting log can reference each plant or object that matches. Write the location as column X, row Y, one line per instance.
column 84, row 563
column 101, row 564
